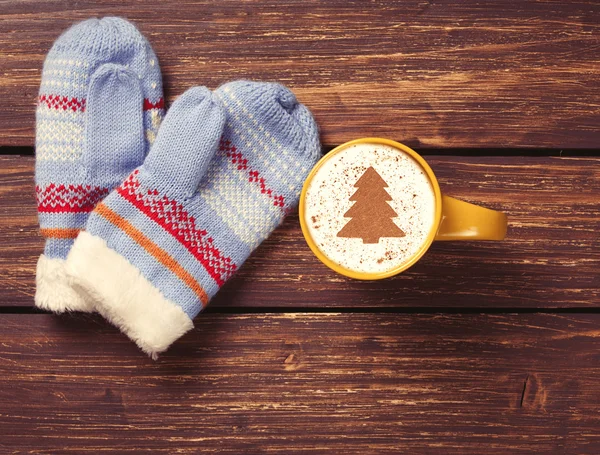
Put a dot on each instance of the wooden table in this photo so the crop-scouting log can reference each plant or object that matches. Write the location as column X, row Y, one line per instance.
column 480, row 348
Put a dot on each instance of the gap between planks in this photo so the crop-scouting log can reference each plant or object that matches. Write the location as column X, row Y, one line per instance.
column 233, row 310
column 512, row 152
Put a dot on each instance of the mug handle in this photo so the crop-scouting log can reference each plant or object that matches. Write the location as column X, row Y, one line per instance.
column 464, row 221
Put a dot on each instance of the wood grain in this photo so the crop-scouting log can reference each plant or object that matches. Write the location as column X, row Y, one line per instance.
column 550, row 258
column 429, row 74
column 272, row 378
column 301, row 383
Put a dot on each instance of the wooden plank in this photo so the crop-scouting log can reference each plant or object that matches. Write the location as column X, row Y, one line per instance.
column 550, row 259
column 302, row 383
column 430, row 74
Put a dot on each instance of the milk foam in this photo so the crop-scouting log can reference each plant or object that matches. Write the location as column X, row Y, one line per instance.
column 328, row 199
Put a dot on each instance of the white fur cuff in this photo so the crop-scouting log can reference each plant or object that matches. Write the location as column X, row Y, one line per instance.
column 124, row 296
column 53, row 289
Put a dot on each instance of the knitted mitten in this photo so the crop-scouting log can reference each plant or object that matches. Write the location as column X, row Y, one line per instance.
column 99, row 108
column 161, row 245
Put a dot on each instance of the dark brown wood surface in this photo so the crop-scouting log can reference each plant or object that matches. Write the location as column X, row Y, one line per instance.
column 305, row 383
column 482, row 347
column 551, row 257
column 427, row 73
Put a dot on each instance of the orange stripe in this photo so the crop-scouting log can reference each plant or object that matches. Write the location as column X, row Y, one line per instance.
column 159, row 254
column 59, row 233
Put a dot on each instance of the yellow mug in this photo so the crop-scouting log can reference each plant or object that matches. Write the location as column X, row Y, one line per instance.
column 453, row 219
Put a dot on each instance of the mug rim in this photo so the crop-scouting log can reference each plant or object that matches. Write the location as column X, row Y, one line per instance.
column 424, row 247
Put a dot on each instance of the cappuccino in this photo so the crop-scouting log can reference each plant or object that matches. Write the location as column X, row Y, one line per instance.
column 370, row 208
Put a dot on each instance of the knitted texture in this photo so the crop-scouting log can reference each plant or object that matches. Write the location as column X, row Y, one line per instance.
column 224, row 171
column 99, row 108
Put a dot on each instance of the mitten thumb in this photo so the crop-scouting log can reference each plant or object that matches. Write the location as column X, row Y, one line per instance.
column 187, row 140
column 115, row 143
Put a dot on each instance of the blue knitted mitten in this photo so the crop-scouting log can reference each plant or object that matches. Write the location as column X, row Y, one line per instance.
column 99, row 108
column 225, row 169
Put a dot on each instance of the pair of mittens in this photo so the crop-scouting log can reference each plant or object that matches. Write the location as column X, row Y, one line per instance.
column 225, row 169
column 99, row 108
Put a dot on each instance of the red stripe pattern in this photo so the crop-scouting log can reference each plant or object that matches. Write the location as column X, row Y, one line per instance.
column 69, row 198
column 254, row 176
column 63, row 103
column 160, row 104
column 78, row 105
column 174, row 219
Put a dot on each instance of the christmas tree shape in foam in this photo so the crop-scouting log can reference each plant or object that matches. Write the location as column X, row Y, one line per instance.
column 371, row 214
